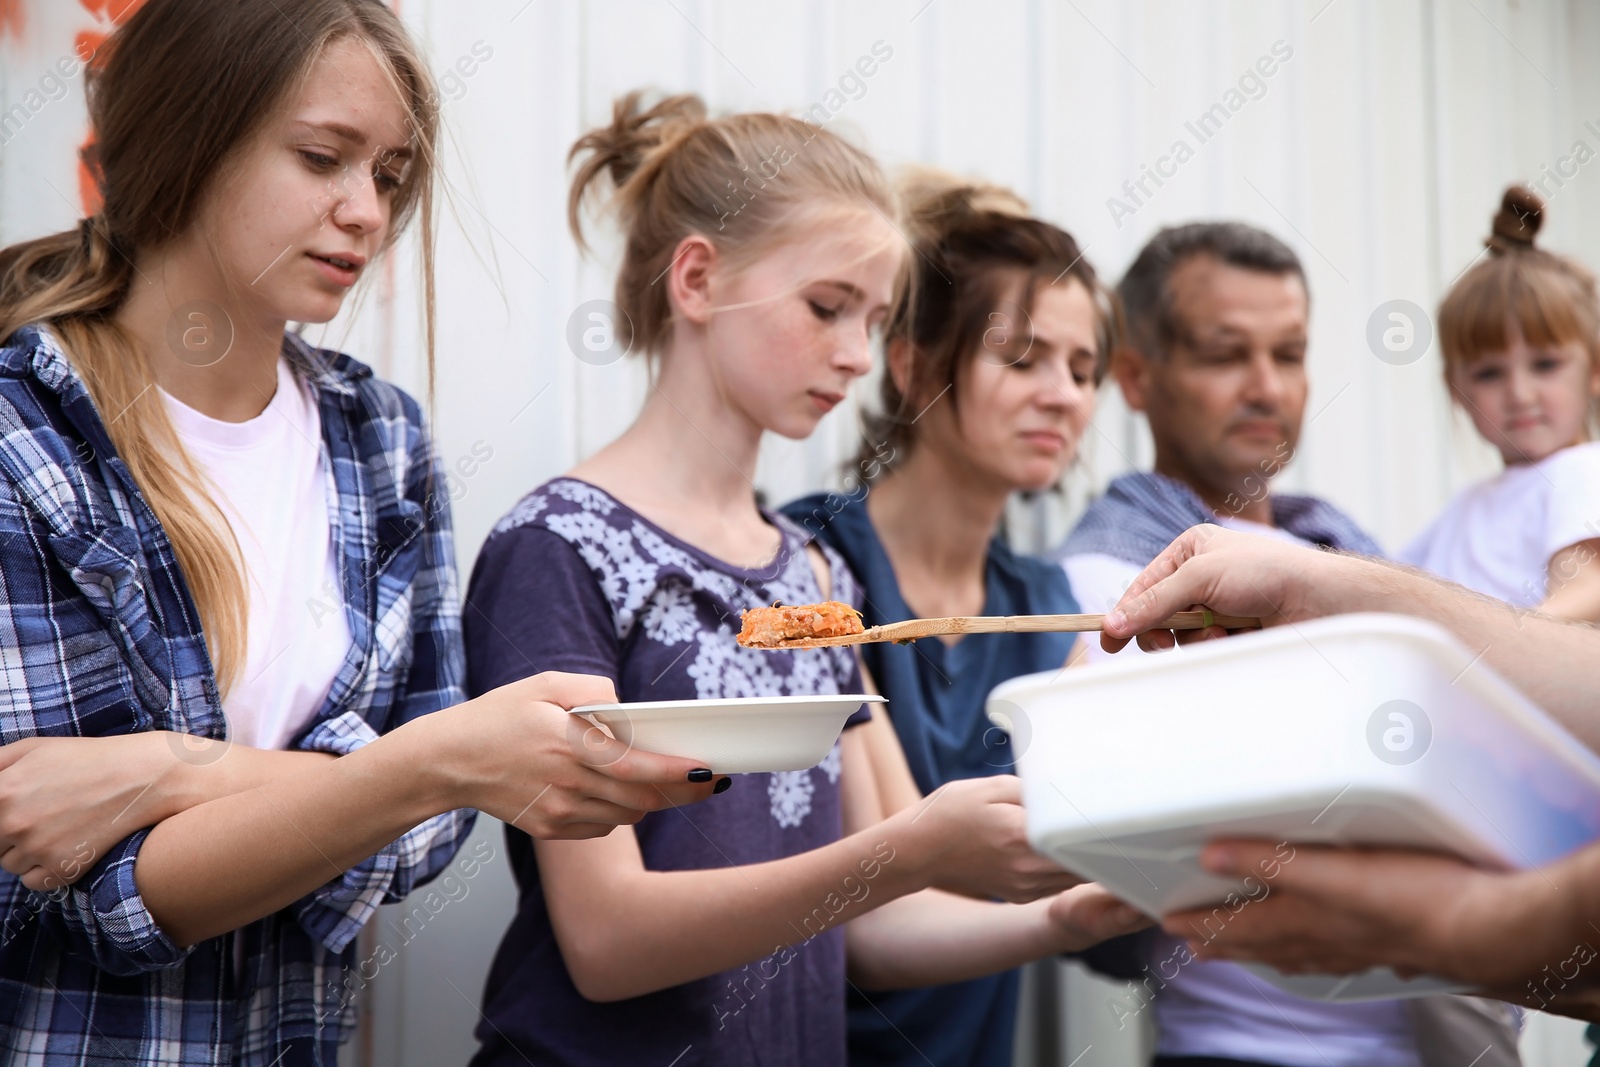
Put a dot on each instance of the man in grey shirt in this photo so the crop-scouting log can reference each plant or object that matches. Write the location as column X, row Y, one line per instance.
column 1218, row 321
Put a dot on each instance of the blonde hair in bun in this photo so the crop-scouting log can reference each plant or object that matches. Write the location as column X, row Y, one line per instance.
column 746, row 182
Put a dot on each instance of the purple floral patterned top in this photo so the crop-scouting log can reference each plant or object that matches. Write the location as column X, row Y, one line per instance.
column 574, row 580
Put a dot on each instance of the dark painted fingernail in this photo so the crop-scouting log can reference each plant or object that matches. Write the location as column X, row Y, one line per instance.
column 722, row 785
column 700, row 774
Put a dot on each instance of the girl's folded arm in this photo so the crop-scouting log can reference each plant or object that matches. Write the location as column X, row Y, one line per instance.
column 227, row 862
column 221, row 864
column 62, row 798
column 218, row 866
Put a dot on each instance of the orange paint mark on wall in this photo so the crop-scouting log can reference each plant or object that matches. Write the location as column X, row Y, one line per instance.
column 88, row 177
column 112, row 11
column 87, row 43
column 12, row 22
column 12, row 18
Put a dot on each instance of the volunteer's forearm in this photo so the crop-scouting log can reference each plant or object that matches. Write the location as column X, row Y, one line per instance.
column 1550, row 660
column 1240, row 574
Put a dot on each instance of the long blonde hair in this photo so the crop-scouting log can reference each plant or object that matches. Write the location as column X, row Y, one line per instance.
column 173, row 96
column 745, row 182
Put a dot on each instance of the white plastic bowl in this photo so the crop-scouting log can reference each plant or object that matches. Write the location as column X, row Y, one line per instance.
column 1360, row 729
column 740, row 735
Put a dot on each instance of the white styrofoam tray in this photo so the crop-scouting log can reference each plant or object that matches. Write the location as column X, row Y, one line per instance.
column 1363, row 729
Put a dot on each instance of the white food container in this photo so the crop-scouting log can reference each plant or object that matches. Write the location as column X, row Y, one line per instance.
column 1359, row 729
column 736, row 735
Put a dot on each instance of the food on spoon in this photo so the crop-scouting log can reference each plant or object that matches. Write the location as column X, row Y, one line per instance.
column 778, row 625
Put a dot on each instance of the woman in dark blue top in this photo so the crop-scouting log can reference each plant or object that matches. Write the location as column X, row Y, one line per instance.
column 995, row 349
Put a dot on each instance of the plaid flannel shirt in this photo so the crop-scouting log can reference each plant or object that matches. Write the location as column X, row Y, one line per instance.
column 99, row 636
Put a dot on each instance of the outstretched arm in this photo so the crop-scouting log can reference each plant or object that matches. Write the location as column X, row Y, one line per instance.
column 936, row 936
column 1241, row 574
column 625, row 930
column 933, row 937
column 512, row 752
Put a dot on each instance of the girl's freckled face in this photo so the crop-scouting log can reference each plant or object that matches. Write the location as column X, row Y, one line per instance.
column 796, row 327
column 308, row 203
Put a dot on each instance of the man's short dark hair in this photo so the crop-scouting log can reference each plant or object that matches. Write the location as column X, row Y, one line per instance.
column 1145, row 290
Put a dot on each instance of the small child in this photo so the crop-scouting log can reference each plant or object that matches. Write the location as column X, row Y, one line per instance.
column 1520, row 334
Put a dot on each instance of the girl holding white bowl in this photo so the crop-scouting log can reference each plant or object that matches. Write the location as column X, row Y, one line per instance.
column 715, row 936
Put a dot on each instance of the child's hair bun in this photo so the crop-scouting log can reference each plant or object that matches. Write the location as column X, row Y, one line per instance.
column 1518, row 221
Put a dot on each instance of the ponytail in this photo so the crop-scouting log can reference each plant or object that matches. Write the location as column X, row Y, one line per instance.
column 744, row 182
column 619, row 150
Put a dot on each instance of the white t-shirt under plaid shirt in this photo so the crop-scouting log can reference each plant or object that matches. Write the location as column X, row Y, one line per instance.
column 268, row 479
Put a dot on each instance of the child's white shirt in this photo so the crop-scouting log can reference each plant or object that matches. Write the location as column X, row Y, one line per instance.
column 1499, row 535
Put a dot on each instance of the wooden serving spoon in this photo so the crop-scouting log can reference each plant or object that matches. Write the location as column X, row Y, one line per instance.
column 912, row 629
